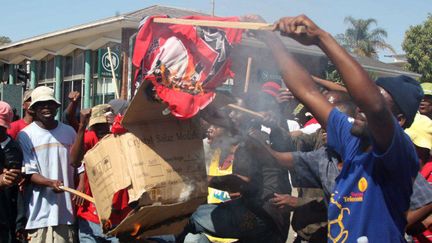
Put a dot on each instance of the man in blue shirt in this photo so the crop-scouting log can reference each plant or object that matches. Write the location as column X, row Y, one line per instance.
column 372, row 192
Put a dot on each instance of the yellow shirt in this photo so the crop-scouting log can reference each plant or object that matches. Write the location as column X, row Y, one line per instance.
column 215, row 195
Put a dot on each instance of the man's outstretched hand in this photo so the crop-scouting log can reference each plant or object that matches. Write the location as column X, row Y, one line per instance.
column 284, row 200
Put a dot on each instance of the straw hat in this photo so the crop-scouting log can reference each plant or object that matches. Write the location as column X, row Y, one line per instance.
column 98, row 114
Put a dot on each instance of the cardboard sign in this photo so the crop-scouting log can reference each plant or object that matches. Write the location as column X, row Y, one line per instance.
column 161, row 163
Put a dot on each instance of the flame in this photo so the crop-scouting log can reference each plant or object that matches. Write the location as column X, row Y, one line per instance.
column 136, row 229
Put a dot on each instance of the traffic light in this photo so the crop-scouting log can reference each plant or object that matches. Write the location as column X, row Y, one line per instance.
column 22, row 75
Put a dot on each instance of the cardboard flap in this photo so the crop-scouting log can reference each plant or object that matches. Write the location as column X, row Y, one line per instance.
column 143, row 109
column 160, row 161
column 157, row 219
column 106, row 174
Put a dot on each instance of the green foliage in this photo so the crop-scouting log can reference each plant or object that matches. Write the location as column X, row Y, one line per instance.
column 361, row 40
column 332, row 74
column 4, row 40
column 418, row 48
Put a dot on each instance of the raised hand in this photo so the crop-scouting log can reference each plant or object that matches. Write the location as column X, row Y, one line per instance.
column 74, row 96
column 292, row 26
column 85, row 116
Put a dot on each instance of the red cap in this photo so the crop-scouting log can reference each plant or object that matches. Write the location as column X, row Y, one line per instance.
column 271, row 88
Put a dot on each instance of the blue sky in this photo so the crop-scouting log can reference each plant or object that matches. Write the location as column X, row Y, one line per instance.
column 23, row 19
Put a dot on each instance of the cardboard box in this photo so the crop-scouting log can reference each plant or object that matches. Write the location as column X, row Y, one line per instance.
column 160, row 161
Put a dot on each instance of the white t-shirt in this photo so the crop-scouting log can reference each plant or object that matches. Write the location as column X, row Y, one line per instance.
column 47, row 153
column 292, row 126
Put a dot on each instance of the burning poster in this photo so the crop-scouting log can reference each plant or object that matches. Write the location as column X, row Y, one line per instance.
column 184, row 63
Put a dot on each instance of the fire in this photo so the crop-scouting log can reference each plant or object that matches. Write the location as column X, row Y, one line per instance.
column 136, row 229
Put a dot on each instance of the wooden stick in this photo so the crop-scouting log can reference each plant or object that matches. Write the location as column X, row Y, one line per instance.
column 214, row 23
column 224, row 24
column 239, row 108
column 78, row 193
column 113, row 74
column 248, row 68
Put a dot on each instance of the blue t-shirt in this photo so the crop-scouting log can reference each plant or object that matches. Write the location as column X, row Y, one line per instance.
column 373, row 190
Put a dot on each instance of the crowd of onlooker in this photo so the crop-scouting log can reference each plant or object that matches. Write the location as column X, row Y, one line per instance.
column 39, row 156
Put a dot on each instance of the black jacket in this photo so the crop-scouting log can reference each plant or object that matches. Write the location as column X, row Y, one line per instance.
column 12, row 211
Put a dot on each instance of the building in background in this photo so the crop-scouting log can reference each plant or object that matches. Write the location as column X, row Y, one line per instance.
column 75, row 59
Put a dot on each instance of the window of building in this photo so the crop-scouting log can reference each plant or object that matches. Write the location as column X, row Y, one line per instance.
column 50, row 69
column 46, row 69
column 68, row 86
column 104, row 91
column 78, row 62
column 50, row 84
column 41, row 70
column 67, row 66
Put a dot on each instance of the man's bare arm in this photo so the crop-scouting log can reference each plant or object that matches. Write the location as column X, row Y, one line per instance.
column 361, row 88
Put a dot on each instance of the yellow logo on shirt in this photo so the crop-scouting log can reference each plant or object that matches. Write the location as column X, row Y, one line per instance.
column 362, row 184
column 337, row 224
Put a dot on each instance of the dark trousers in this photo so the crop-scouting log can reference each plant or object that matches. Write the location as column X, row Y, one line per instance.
column 231, row 219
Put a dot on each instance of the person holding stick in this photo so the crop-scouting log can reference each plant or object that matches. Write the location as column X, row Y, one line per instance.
column 46, row 147
column 372, row 192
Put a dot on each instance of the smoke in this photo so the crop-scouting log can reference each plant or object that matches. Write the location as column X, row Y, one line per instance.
column 186, row 191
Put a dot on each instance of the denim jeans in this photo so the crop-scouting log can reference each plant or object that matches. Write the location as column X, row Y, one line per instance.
column 90, row 232
column 231, row 219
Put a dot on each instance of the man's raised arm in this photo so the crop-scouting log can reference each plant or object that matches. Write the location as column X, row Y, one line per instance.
column 362, row 89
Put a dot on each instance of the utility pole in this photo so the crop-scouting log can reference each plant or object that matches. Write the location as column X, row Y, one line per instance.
column 213, row 7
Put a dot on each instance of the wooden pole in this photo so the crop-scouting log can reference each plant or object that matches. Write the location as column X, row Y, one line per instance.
column 239, row 108
column 248, row 68
column 78, row 193
column 116, row 91
column 213, row 23
column 224, row 24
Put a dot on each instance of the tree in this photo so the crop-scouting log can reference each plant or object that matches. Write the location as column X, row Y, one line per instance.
column 418, row 48
column 363, row 41
column 4, row 40
column 332, row 74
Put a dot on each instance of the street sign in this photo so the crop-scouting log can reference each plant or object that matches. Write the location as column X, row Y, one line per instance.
column 104, row 67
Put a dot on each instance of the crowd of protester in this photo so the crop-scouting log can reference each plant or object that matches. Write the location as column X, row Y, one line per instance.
column 361, row 165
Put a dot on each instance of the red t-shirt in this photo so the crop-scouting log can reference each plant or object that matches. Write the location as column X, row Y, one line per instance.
column 426, row 171
column 16, row 127
column 120, row 199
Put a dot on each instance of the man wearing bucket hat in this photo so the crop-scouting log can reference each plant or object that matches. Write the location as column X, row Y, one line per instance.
column 98, row 121
column 46, row 147
column 18, row 125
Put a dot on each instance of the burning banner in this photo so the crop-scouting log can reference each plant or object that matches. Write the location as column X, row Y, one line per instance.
column 184, row 63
